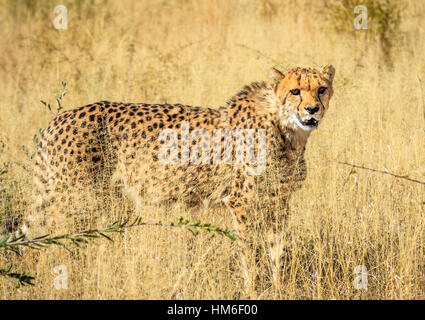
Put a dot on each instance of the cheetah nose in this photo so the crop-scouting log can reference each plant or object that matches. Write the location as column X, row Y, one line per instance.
column 312, row 109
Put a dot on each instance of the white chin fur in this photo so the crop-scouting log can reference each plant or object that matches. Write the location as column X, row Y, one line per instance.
column 296, row 124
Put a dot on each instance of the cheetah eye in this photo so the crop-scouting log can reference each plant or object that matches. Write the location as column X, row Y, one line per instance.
column 322, row 90
column 295, row 92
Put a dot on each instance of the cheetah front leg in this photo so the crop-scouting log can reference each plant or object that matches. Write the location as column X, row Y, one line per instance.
column 275, row 225
column 248, row 257
column 277, row 212
column 260, row 232
column 239, row 204
column 275, row 246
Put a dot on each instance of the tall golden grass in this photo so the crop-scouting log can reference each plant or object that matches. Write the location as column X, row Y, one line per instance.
column 201, row 53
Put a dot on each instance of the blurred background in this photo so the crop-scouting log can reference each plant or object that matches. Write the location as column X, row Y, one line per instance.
column 202, row 53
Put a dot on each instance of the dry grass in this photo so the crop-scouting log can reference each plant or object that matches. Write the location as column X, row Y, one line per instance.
column 201, row 53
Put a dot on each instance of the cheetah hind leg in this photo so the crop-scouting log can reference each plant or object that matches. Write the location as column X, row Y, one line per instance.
column 46, row 214
column 31, row 224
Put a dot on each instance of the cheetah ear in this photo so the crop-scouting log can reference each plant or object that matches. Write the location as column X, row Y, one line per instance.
column 276, row 74
column 329, row 72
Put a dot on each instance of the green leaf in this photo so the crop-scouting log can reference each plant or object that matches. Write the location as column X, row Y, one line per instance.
column 4, row 240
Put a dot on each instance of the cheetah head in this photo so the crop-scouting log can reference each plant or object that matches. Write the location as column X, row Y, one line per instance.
column 303, row 96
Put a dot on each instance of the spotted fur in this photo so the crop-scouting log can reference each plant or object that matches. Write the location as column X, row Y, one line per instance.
column 119, row 142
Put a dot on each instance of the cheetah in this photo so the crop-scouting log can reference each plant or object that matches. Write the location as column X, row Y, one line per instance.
column 167, row 152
